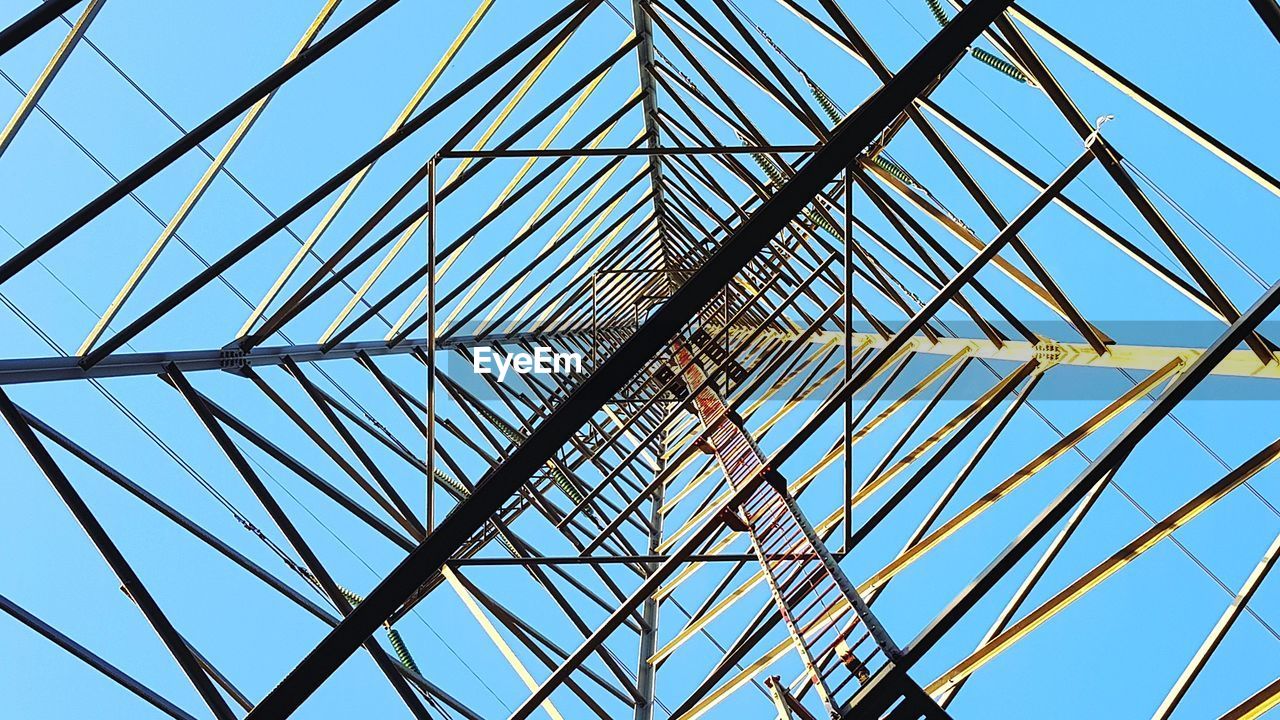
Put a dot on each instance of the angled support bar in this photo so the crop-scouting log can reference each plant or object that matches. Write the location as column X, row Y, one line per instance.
column 31, row 23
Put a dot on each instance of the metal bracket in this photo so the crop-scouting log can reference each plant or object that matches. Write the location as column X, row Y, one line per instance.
column 1049, row 353
column 233, row 359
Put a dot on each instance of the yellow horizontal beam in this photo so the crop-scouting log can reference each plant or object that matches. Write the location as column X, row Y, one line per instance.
column 1239, row 363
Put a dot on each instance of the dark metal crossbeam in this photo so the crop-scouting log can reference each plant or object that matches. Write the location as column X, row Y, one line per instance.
column 1269, row 11
column 31, row 23
column 620, row 559
column 47, row 369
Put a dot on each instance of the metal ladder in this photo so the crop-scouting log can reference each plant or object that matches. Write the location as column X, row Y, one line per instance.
column 836, row 635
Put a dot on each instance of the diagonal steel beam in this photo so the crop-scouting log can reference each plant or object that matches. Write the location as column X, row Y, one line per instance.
column 43, row 82
column 498, row 485
column 93, row 660
column 31, row 23
column 1269, row 11
column 115, row 559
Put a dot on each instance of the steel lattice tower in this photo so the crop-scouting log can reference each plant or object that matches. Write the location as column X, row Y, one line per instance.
column 814, row 462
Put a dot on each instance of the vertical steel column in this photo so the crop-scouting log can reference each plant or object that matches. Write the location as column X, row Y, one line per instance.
column 431, row 345
column 848, row 358
column 646, row 672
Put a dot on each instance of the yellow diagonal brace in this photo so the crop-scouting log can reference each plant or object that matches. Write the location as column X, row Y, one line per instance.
column 1233, row 611
column 38, row 88
column 582, row 269
column 496, row 637
column 409, row 232
column 1022, row 475
column 197, row 192
column 1257, row 704
column 938, row 436
column 349, row 189
column 909, row 395
column 412, row 309
column 1105, row 569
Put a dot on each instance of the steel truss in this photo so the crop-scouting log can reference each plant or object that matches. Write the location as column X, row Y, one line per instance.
column 689, row 533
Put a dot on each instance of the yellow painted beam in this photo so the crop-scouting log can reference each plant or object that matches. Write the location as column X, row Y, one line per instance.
column 496, row 637
column 1021, row 476
column 1238, row 363
column 1257, row 704
column 1121, row 558
column 42, row 83
column 349, row 189
column 202, row 185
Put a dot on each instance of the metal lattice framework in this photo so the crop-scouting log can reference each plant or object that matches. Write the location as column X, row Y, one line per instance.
column 680, row 529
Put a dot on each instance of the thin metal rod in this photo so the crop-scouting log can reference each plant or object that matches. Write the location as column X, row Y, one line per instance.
column 646, row 151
